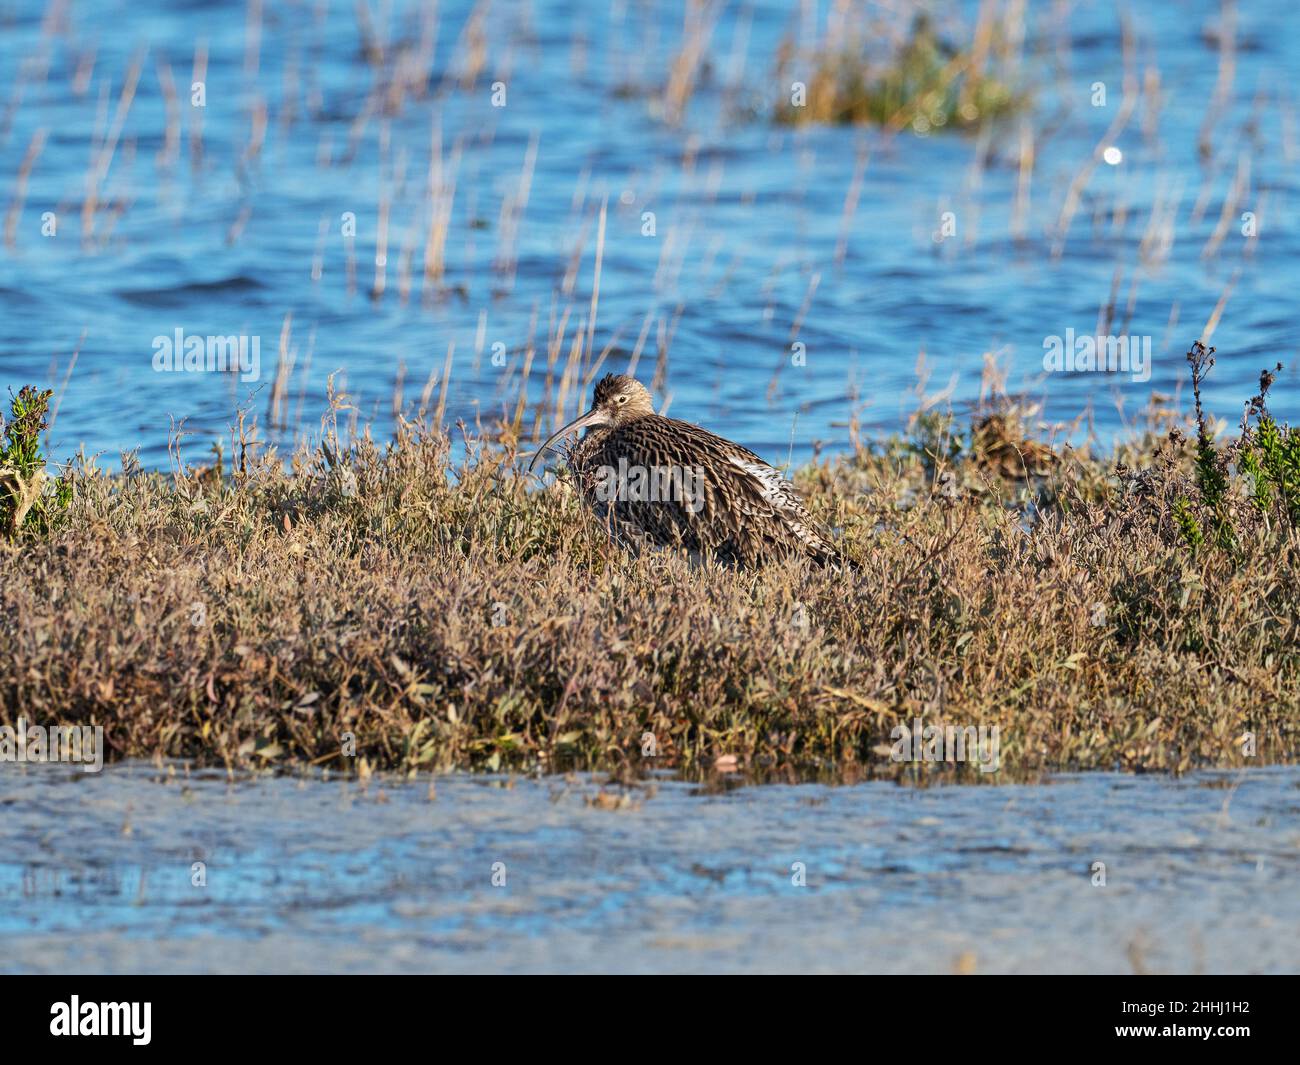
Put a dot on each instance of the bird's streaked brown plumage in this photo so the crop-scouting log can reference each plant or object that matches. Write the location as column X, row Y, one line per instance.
column 722, row 500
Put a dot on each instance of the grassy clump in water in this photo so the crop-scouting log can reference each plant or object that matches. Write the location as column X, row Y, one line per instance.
column 926, row 84
column 393, row 606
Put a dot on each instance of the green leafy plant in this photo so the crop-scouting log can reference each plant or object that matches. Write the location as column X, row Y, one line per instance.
column 1211, row 467
column 1220, row 506
column 1187, row 523
column 1269, row 454
column 24, row 499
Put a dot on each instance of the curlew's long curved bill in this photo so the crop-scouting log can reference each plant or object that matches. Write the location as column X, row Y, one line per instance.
column 592, row 417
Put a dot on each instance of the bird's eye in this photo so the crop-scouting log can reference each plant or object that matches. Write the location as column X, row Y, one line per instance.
column 623, row 398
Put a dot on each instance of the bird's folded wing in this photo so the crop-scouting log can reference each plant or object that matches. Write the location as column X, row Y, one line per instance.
column 741, row 490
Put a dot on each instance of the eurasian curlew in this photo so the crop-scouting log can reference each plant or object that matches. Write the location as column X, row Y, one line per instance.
column 669, row 483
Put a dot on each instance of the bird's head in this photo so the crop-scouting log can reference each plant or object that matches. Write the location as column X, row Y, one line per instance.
column 618, row 400
column 621, row 398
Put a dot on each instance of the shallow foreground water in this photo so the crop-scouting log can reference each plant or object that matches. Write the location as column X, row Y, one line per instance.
column 98, row 874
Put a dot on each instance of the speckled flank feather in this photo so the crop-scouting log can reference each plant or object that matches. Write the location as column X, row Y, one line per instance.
column 745, row 511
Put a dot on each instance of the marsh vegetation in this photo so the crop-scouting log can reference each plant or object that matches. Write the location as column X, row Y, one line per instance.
column 421, row 604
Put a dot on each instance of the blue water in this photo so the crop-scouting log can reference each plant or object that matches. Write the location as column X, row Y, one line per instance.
column 226, row 240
